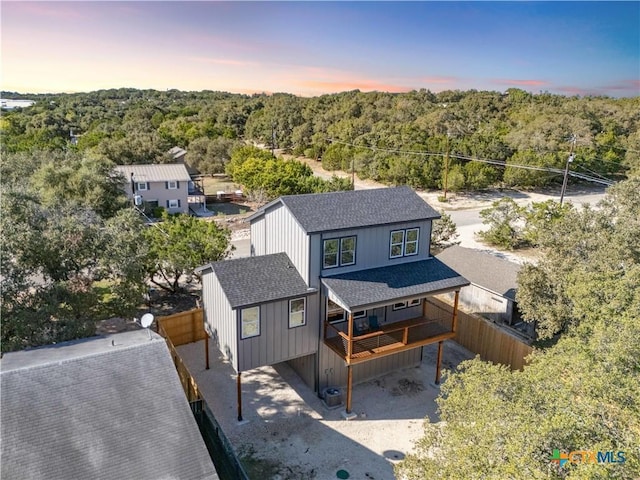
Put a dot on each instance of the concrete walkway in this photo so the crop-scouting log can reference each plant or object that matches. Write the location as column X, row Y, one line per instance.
column 289, row 434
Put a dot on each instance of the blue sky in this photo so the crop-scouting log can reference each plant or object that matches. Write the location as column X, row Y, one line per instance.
column 311, row 48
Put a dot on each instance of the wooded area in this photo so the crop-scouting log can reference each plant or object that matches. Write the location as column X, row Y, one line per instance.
column 398, row 138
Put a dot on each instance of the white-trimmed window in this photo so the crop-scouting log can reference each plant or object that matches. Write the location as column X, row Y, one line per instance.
column 404, row 243
column 250, row 321
column 396, row 247
column 297, row 307
column 339, row 252
column 414, row 303
column 173, row 185
column 335, row 313
column 141, row 186
column 173, row 203
column 359, row 314
column 411, row 237
column 399, row 305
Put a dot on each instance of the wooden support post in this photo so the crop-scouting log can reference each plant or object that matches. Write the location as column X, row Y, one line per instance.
column 349, row 387
column 454, row 320
column 438, row 361
column 239, row 396
column 206, row 351
column 350, row 342
column 405, row 335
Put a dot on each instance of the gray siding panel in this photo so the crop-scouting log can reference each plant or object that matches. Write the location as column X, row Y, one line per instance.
column 284, row 234
column 372, row 246
column 220, row 319
column 305, row 367
column 333, row 371
column 277, row 342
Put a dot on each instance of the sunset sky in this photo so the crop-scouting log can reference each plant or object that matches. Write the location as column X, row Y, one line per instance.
column 311, row 48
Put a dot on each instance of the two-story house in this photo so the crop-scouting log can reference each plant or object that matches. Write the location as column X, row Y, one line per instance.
column 158, row 185
column 336, row 286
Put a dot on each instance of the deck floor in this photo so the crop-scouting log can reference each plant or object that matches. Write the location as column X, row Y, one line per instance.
column 387, row 342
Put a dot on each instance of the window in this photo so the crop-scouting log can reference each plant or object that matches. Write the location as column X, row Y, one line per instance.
column 339, row 252
column 330, row 253
column 359, row 314
column 296, row 312
column 250, row 320
column 141, row 186
column 173, row 203
column 397, row 244
column 173, row 185
column 411, row 303
column 335, row 313
column 404, row 243
column 347, row 251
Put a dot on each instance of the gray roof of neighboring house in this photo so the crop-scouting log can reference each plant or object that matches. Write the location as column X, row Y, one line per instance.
column 157, row 172
column 177, row 152
column 253, row 280
column 384, row 285
column 108, row 407
column 322, row 212
column 483, row 269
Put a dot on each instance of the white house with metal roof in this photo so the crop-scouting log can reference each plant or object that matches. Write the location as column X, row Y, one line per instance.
column 337, row 286
column 159, row 185
column 102, row 408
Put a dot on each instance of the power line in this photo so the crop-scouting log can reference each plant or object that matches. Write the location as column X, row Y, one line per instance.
column 499, row 163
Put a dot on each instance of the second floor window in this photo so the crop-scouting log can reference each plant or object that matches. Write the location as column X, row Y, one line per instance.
column 404, row 243
column 339, row 252
column 173, row 185
column 250, row 321
column 141, row 186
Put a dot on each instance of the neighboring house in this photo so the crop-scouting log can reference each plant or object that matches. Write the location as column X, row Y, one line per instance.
column 336, row 286
column 178, row 154
column 159, row 185
column 108, row 407
column 494, row 282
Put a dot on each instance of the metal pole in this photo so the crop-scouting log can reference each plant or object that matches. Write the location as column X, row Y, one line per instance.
column 566, row 171
column 446, row 168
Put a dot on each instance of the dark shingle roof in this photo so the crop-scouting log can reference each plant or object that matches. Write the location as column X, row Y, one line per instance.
column 397, row 282
column 90, row 409
column 323, row 212
column 483, row 269
column 252, row 280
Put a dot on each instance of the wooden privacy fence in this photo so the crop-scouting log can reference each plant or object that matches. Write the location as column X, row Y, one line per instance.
column 184, row 327
column 481, row 336
column 178, row 329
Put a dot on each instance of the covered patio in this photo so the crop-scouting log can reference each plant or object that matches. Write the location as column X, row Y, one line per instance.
column 366, row 337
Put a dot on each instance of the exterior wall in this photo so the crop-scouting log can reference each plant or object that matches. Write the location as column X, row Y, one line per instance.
column 220, row 319
column 277, row 342
column 258, row 238
column 372, row 247
column 333, row 372
column 158, row 191
column 305, row 367
column 282, row 233
column 486, row 303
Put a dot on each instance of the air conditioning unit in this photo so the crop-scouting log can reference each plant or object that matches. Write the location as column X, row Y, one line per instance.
column 332, row 397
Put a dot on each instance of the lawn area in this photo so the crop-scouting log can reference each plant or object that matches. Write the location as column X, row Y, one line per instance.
column 212, row 185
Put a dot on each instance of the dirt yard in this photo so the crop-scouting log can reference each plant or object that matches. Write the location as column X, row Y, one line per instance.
column 288, row 433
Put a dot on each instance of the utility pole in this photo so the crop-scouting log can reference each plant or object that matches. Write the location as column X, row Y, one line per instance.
column 566, row 169
column 446, row 168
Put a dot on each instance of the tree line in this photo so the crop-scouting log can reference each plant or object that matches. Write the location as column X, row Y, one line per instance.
column 397, row 139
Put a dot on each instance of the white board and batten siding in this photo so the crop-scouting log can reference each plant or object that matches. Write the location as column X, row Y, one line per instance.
column 277, row 342
column 221, row 320
column 372, row 247
column 278, row 231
